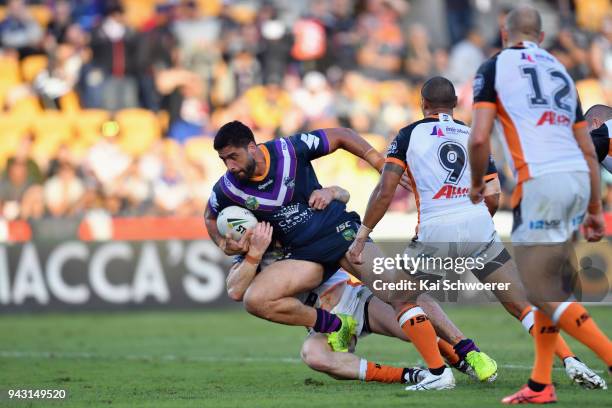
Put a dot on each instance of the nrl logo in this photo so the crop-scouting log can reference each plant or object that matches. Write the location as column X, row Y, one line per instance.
column 251, row 203
column 349, row 234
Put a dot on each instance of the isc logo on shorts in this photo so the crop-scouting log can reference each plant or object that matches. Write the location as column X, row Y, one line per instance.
column 544, row 224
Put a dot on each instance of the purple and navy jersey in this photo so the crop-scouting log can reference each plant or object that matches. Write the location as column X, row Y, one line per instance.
column 280, row 196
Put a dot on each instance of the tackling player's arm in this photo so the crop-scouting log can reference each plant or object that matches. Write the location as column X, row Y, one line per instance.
column 242, row 273
column 380, row 199
column 594, row 222
column 227, row 244
column 320, row 199
column 491, row 195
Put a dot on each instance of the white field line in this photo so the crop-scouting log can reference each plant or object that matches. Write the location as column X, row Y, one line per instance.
column 18, row 354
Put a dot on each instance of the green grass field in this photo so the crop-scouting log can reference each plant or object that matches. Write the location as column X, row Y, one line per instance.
column 230, row 359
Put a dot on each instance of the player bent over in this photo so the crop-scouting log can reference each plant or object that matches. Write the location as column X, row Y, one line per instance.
column 434, row 153
column 536, row 105
column 275, row 180
column 599, row 126
column 341, row 296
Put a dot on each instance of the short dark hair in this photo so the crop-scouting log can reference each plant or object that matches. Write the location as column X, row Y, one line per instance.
column 439, row 92
column 235, row 134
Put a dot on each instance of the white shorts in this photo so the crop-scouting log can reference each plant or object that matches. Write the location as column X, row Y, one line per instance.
column 468, row 235
column 353, row 302
column 552, row 208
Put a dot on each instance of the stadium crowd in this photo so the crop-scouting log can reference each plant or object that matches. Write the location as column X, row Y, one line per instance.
column 112, row 105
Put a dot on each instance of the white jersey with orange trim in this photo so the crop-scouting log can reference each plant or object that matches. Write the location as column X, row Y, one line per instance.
column 537, row 110
column 434, row 153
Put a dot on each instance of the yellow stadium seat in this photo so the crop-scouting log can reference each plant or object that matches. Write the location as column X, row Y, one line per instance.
column 9, row 70
column 27, row 107
column 139, row 129
column 137, row 12
column 2, row 12
column 591, row 93
column 70, row 103
column 41, row 13
column 32, row 66
column 210, row 7
column 88, row 125
column 52, row 128
column 12, row 130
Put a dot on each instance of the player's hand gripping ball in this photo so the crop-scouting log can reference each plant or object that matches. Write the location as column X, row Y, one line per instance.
column 235, row 220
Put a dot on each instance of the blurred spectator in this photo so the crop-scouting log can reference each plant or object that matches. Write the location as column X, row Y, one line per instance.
column 343, row 36
column 60, row 21
column 24, row 154
column 13, row 187
column 135, row 191
column 601, row 53
column 268, row 104
column 106, row 161
column 63, row 192
column 315, row 98
column 170, row 191
column 571, row 50
column 459, row 19
column 420, row 58
column 465, row 58
column 156, row 53
column 114, row 67
column 19, row 30
column 310, row 37
column 60, row 77
column 382, row 43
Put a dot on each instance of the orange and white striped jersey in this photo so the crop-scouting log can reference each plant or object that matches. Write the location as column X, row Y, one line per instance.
column 537, row 109
column 434, row 153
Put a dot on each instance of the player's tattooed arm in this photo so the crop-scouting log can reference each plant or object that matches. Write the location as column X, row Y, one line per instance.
column 352, row 142
column 380, row 199
column 479, row 149
column 227, row 244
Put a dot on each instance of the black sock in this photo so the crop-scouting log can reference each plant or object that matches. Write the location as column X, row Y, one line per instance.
column 535, row 386
column 437, row 371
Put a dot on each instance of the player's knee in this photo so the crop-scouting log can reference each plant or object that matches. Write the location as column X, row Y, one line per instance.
column 255, row 303
column 314, row 358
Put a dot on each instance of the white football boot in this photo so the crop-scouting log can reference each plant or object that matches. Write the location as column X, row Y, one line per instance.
column 582, row 375
column 444, row 381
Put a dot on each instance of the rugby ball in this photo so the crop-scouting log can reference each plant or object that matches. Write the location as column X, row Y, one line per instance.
column 235, row 220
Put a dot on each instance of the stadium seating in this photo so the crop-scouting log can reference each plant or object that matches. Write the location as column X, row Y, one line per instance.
column 32, row 65
column 139, row 129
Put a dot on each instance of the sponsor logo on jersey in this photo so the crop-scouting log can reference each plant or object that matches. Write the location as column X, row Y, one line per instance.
column 478, row 84
column 544, row 224
column 289, row 210
column 448, row 191
column 555, row 119
column 311, row 140
column 251, row 203
column 437, row 131
column 527, row 57
column 265, row 185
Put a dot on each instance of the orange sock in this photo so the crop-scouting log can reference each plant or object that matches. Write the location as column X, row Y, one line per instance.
column 448, row 352
column 574, row 319
column 417, row 327
column 545, row 334
column 562, row 349
column 383, row 373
